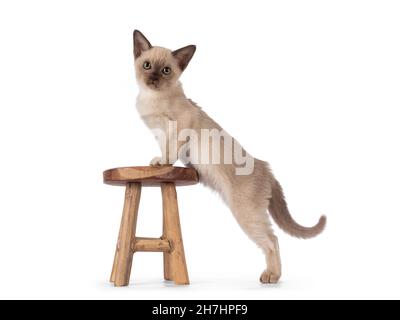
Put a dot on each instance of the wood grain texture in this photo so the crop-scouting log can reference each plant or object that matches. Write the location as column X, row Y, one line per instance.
column 176, row 261
column 166, row 255
column 114, row 267
column 127, row 235
column 151, row 245
column 171, row 243
column 151, row 176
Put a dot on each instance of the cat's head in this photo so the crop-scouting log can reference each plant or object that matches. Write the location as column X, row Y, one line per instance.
column 159, row 68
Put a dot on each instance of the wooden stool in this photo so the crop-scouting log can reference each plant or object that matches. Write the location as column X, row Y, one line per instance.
column 170, row 243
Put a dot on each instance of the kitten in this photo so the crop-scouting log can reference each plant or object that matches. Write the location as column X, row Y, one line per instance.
column 249, row 195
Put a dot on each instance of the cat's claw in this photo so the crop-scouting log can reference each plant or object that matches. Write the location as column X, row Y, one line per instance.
column 157, row 161
column 269, row 277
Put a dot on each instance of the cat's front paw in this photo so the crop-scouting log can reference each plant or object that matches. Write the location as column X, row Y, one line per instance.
column 157, row 161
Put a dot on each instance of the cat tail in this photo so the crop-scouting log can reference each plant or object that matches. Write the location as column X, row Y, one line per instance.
column 280, row 213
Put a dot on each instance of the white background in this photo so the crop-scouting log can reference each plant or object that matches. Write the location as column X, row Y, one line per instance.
column 310, row 86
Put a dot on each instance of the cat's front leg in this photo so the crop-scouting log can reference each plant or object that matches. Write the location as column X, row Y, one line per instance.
column 165, row 159
column 156, row 161
column 169, row 158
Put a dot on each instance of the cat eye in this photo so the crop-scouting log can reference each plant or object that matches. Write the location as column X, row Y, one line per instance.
column 166, row 70
column 147, row 65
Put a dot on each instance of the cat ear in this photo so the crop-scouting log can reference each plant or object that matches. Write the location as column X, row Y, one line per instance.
column 140, row 43
column 184, row 55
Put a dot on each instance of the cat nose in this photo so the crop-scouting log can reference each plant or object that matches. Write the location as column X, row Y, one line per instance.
column 154, row 76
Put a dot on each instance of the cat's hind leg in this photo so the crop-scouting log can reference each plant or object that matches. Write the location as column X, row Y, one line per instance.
column 273, row 272
column 256, row 224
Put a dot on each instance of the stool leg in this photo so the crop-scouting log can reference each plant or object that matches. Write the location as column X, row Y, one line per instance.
column 123, row 257
column 114, row 268
column 167, row 255
column 176, row 262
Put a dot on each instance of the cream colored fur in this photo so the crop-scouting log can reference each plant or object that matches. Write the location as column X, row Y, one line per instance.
column 249, row 197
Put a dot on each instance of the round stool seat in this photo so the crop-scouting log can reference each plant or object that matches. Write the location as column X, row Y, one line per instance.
column 151, row 176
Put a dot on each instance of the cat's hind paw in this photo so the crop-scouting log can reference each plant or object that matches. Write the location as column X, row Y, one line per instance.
column 269, row 277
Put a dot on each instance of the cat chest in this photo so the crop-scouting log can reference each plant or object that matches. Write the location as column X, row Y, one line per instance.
column 153, row 112
column 155, row 121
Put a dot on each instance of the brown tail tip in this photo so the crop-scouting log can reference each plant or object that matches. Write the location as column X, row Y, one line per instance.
column 315, row 230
